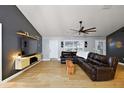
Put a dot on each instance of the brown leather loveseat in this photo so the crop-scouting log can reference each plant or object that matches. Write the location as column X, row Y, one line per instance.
column 65, row 55
column 98, row 67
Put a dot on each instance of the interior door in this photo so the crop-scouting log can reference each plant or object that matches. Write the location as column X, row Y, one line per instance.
column 0, row 52
column 53, row 46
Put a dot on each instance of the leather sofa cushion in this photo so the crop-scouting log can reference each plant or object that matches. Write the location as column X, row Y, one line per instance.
column 80, row 59
column 68, row 54
column 91, row 55
column 89, row 67
column 113, row 61
column 101, row 59
column 96, row 62
column 90, row 70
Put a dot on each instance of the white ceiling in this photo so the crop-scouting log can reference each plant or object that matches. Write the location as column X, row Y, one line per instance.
column 57, row 20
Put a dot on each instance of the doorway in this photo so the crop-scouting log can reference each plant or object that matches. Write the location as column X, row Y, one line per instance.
column 53, row 49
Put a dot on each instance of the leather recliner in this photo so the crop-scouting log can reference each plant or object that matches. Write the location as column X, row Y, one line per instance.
column 98, row 67
column 65, row 55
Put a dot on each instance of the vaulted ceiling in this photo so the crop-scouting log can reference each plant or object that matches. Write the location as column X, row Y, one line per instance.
column 57, row 20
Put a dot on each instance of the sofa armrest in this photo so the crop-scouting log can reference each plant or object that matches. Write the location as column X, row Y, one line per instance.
column 81, row 59
column 104, row 73
column 61, row 56
column 104, row 69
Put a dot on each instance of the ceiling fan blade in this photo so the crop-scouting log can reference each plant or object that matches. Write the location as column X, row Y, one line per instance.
column 90, row 29
column 85, row 32
column 81, row 29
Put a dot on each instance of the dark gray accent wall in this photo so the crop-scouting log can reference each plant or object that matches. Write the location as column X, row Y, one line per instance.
column 13, row 20
column 115, row 44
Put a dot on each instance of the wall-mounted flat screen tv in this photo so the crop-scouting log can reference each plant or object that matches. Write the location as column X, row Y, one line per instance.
column 28, row 46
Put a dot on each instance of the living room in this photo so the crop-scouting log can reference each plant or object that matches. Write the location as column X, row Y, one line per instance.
column 45, row 38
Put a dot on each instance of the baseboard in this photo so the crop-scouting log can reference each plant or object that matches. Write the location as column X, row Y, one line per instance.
column 121, row 63
column 45, row 59
column 15, row 75
column 59, row 59
column 49, row 59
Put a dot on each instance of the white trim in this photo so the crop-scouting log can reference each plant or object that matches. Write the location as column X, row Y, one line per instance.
column 49, row 59
column 121, row 63
column 45, row 59
column 59, row 59
column 15, row 75
column 0, row 52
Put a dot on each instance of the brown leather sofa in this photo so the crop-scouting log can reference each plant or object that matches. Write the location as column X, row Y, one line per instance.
column 98, row 67
column 65, row 55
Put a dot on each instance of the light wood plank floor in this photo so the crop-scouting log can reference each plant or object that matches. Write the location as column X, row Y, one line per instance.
column 53, row 74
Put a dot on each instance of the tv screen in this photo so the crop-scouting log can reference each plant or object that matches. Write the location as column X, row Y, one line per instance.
column 28, row 46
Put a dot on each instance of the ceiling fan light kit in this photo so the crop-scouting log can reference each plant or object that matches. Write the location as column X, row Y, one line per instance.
column 85, row 31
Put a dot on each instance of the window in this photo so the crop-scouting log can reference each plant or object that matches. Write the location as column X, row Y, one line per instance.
column 73, row 45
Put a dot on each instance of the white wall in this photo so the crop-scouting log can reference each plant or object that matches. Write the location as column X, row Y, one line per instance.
column 0, row 52
column 46, row 50
column 53, row 47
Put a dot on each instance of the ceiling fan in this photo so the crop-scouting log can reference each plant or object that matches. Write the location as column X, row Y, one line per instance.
column 85, row 31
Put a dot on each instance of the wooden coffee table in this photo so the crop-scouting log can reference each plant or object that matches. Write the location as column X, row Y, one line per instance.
column 70, row 67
